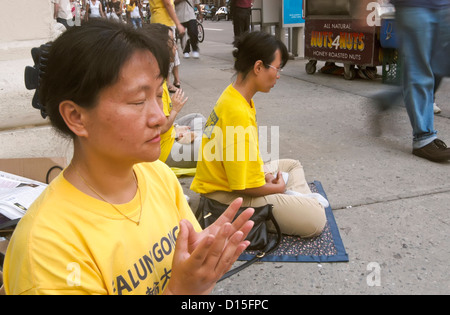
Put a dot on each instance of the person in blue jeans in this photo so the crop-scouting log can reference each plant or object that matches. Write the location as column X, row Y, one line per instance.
column 134, row 12
column 421, row 25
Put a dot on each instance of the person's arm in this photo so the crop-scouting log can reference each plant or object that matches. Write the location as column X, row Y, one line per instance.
column 171, row 11
column 55, row 10
column 274, row 185
column 86, row 13
column 200, row 12
column 127, row 13
column 120, row 9
column 101, row 10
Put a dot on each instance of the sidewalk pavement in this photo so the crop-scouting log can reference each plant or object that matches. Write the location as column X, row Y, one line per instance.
column 392, row 208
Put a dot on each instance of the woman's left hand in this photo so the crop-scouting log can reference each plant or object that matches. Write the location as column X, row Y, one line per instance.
column 201, row 259
column 178, row 100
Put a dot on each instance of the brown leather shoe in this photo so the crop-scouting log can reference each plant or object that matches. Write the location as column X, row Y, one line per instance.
column 435, row 151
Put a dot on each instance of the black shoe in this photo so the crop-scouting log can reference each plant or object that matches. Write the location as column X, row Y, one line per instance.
column 435, row 151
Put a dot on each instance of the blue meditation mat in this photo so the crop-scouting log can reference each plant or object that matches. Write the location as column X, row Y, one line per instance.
column 327, row 247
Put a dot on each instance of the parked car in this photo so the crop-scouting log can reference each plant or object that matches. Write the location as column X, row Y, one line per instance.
column 222, row 13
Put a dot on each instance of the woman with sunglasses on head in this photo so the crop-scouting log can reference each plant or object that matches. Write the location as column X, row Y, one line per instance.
column 115, row 221
column 230, row 164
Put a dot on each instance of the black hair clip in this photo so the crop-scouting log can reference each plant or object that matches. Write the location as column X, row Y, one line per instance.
column 34, row 74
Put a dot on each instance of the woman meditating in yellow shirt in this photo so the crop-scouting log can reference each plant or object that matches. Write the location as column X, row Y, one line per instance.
column 230, row 164
column 115, row 221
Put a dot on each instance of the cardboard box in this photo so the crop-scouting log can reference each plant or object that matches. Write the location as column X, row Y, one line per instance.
column 34, row 168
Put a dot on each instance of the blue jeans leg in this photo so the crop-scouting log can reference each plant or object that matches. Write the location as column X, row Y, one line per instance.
column 137, row 22
column 418, row 30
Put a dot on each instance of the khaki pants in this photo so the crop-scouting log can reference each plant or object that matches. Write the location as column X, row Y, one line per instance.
column 295, row 215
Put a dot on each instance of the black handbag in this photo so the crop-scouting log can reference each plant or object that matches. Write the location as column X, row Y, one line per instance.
column 209, row 211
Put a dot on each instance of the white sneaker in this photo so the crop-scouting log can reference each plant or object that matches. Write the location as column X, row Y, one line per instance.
column 436, row 109
column 195, row 54
column 186, row 55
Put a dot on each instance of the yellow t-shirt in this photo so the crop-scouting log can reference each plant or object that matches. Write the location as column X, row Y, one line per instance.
column 230, row 158
column 159, row 13
column 167, row 138
column 71, row 243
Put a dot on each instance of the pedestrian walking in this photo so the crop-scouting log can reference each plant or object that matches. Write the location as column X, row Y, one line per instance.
column 134, row 13
column 94, row 10
column 186, row 14
column 422, row 24
column 241, row 11
column 64, row 12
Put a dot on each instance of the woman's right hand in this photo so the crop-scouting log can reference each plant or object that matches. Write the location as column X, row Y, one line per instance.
column 178, row 100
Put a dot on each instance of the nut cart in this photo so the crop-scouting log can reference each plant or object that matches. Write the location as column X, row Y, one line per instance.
column 342, row 31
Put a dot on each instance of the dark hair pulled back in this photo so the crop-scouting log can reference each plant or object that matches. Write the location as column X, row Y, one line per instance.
column 84, row 60
column 254, row 46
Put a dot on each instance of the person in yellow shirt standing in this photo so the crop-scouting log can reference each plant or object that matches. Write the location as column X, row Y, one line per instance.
column 163, row 12
column 134, row 13
column 230, row 164
column 115, row 221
